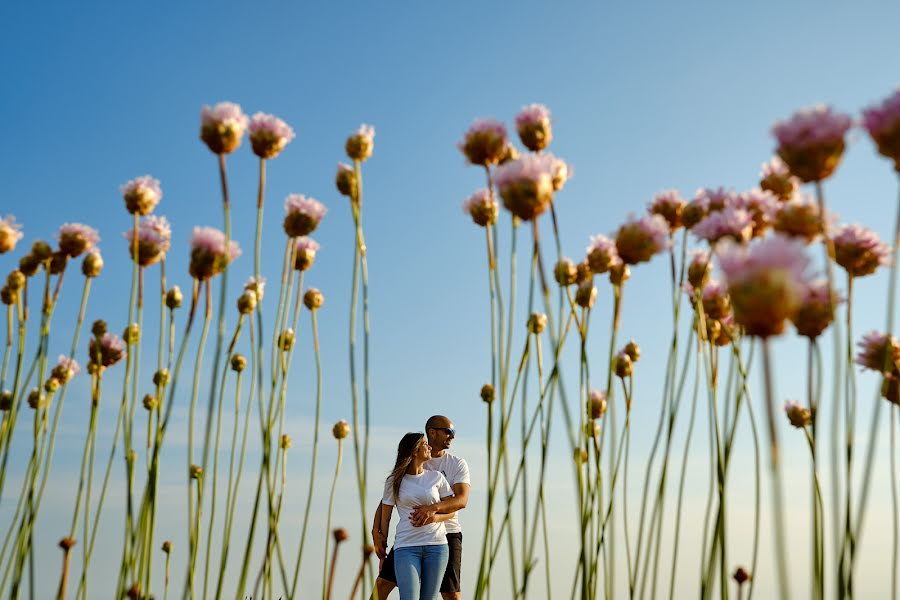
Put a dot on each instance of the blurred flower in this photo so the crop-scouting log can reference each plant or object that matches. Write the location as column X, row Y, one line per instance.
column 799, row 218
column 246, row 302
column 741, row 576
column 715, row 198
column 533, row 126
column 565, row 272
column 305, row 249
column 167, row 546
column 482, row 207
column 10, row 234
column 238, row 362
column 596, row 404
column 286, row 441
column 562, row 173
column 584, row 272
column 15, row 280
column 694, row 211
column 526, row 185
column 76, row 238
column 879, row 352
column 619, row 273
column 816, row 309
column 340, row 535
column 733, row 223
column 29, row 265
column 92, row 263
column 8, row 296
column 256, row 286
column 537, row 322
column 602, row 254
column 269, row 135
column 174, row 297
column 36, row 399
column 341, row 429
column 108, row 349
column 487, row 393
column 149, row 401
column 154, row 240
column 209, row 256
column 698, row 269
column 313, row 299
column 799, row 416
column 883, row 124
column 485, row 142
column 58, row 262
column 715, row 300
column 345, row 180
column 360, row 144
column 161, row 377
column 766, row 282
column 777, row 179
column 41, row 250
column 859, row 250
column 509, row 153
column 669, row 205
column 141, row 195
column 66, row 368
column 633, row 350
column 222, row 127
column 286, row 339
column 623, row 364
column 302, row 215
column 811, row 141
column 196, row 472
column 586, row 294
column 762, row 207
column 639, row 239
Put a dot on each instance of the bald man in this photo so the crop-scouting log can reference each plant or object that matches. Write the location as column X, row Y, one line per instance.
column 440, row 432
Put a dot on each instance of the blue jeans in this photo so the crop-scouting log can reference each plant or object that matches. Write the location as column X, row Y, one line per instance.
column 419, row 570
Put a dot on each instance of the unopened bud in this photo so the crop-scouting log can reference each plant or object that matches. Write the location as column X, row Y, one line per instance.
column 238, row 363
column 741, row 576
column 41, row 250
column 8, row 296
column 597, row 404
column 58, row 262
column 340, row 535
column 36, row 399
column 345, row 180
column 592, row 429
column 286, row 339
column 565, row 272
column 6, row 400
column 586, row 294
column 161, row 377
column 537, row 322
column 174, row 297
column 584, row 272
column 92, row 264
column 798, row 416
column 246, row 303
column 167, row 546
column 623, row 365
column 341, row 429
column 132, row 334
column 29, row 265
column 51, row 385
column 286, row 441
column 487, row 393
column 313, row 299
column 619, row 274
column 99, row 328
column 15, row 280
column 632, row 350
column 196, row 471
column 149, row 401
column 580, row 455
column 66, row 543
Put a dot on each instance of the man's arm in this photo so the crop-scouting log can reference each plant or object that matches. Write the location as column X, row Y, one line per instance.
column 423, row 515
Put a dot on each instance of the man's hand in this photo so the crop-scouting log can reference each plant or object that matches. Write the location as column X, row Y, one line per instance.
column 423, row 515
column 380, row 542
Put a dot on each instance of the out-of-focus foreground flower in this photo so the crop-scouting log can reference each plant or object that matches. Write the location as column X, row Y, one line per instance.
column 883, row 124
column 10, row 234
column 811, row 141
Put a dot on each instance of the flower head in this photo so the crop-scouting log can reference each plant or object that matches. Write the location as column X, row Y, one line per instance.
column 596, row 404
column 341, row 429
column 360, row 144
column 733, row 223
column 153, row 241
column 698, row 269
column 883, row 124
column 562, row 172
column 602, row 254
column 257, row 286
column 761, row 205
column 816, row 311
column 565, row 272
column 859, row 250
column 269, row 135
column 345, row 181
column 638, row 239
column 482, row 207
column 66, row 368
column 533, row 126
column 586, row 294
column 209, row 255
column 800, row 218
column 526, row 185
column 76, row 238
column 10, row 234
column 222, row 127
column 811, row 141
column 313, row 299
column 715, row 198
column 302, row 215
column 766, row 282
column 485, row 142
column 668, row 204
column 777, row 179
column 141, row 195
column 695, row 211
column 305, row 249
column 105, row 350
column 799, row 416
column 879, row 352
column 715, row 300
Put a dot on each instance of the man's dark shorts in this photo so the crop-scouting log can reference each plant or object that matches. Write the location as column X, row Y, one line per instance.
column 451, row 575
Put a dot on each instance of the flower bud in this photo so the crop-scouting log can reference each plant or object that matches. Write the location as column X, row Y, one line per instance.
column 741, row 576
column 359, row 145
column 6, row 400
column 99, row 328
column 619, row 274
column 15, row 280
column 584, row 272
column 586, row 295
column 286, row 339
column 624, row 365
column 41, row 250
column 632, row 350
column 286, row 441
column 798, row 416
column 36, row 399
column 149, row 401
column 698, row 271
column 565, row 272
column 132, row 334
column 66, row 543
column 345, row 180
column 58, row 263
column 580, row 456
column 161, row 377
column 340, row 535
column 596, row 404
column 238, row 363
column 167, row 546
column 92, row 264
column 51, row 385
column 313, row 299
column 29, row 264
column 196, row 471
column 340, row 430
column 134, row 592
column 8, row 296
column 537, row 322
column 592, row 429
column 246, row 303
column 487, row 393
column 533, row 127
column 174, row 297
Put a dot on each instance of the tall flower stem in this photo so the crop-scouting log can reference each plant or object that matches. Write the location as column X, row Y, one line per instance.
column 845, row 565
column 337, row 472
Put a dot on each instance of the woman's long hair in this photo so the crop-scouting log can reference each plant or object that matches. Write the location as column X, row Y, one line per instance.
column 405, row 450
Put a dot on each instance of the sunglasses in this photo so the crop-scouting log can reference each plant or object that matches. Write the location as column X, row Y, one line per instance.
column 446, row 429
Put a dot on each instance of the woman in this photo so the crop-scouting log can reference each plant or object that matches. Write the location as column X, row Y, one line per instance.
column 420, row 553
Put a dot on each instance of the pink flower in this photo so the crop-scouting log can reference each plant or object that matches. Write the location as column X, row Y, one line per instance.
column 360, row 144
column 533, row 126
column 668, row 204
column 304, row 252
column 859, row 250
column 141, row 195
column 154, row 240
column 108, row 350
column 715, row 300
column 302, row 215
column 816, row 311
column 811, row 141
column 257, row 285
column 715, row 198
column 209, row 256
column 766, row 282
column 66, row 368
column 484, row 143
column 762, row 206
column 639, row 239
column 482, row 207
column 76, row 238
column 733, row 223
column 799, row 218
column 602, row 254
column 798, row 416
column 269, row 135
column 879, row 352
column 222, row 127
column 526, row 185
column 883, row 124
column 10, row 234
column 562, row 172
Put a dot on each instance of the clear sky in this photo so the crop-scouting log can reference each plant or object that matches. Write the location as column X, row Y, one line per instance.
column 644, row 97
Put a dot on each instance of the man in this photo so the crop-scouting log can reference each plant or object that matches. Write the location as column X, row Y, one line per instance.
column 440, row 433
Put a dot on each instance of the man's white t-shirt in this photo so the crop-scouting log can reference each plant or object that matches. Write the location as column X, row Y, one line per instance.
column 417, row 490
column 456, row 471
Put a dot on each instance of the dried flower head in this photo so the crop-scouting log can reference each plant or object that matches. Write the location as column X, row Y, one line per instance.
column 799, row 218
column 777, row 179
column 602, row 254
column 340, row 430
column 10, row 234
column 669, row 205
column 732, row 223
column 361, row 142
column 345, row 180
column 879, row 352
column 209, row 255
column 66, row 368
column 526, row 185
column 269, row 135
column 639, row 239
column 816, row 311
column 596, row 407
column 487, row 393
column 741, row 576
column 565, row 272
column 222, row 127
column 141, row 195
column 537, row 322
column 883, row 124
column 586, row 294
column 533, row 127
column 811, row 141
column 92, row 263
column 76, row 238
column 798, row 416
column 482, row 207
column 313, row 299
column 302, row 215
column 153, row 240
column 485, row 142
column 859, row 250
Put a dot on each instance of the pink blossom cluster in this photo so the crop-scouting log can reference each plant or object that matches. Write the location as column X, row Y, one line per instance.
column 531, row 167
column 209, row 255
column 639, row 239
column 526, row 184
column 883, row 118
column 109, row 349
column 222, row 127
column 714, row 198
column 66, row 368
column 482, row 207
column 859, row 250
column 10, row 234
column 562, row 172
column 812, row 126
column 715, row 300
column 774, row 167
column 269, row 135
column 533, row 114
column 668, row 204
column 302, row 215
column 731, row 222
column 602, row 254
column 141, row 194
column 879, row 352
column 485, row 142
column 816, row 311
column 76, row 238
column 305, row 249
column 154, row 240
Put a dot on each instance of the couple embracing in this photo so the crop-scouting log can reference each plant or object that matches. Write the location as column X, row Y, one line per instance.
column 427, row 486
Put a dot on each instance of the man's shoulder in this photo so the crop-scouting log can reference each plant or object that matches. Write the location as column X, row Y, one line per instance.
column 446, row 459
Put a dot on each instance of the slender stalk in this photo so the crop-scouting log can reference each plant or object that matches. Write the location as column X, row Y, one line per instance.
column 337, row 470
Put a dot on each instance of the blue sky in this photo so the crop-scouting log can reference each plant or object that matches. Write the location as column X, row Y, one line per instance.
column 644, row 97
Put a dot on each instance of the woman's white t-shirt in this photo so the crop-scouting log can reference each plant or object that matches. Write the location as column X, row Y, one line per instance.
column 417, row 490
